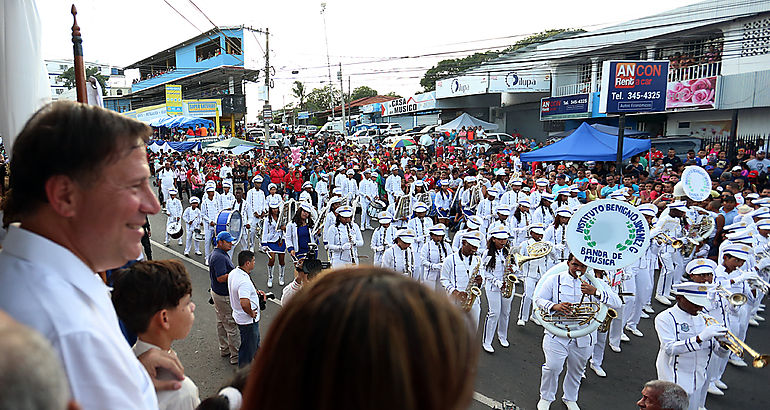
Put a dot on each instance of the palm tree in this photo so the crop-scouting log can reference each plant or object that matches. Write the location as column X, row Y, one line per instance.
column 298, row 91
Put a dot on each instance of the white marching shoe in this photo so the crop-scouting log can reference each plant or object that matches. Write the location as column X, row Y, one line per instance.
column 615, row 349
column 662, row 299
column 503, row 342
column 737, row 362
column 598, row 370
column 520, row 323
column 634, row 331
column 571, row 405
column 649, row 309
column 543, row 404
column 624, row 338
column 719, row 383
column 644, row 315
column 713, row 389
column 488, row 348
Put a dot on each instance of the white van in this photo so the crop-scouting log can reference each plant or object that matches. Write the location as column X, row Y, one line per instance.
column 390, row 129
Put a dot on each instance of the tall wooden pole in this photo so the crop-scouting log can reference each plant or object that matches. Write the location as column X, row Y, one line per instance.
column 77, row 52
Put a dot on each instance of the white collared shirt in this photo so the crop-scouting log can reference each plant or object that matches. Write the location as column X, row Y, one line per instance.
column 240, row 286
column 46, row 287
column 186, row 398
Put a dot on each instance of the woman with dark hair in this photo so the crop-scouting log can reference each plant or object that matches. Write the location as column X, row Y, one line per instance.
column 298, row 235
column 499, row 312
column 273, row 243
column 388, row 342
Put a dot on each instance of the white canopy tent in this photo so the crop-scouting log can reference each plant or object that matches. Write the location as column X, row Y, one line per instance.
column 467, row 121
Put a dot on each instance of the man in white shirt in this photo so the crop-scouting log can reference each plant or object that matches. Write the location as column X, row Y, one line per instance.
column 81, row 206
column 245, row 303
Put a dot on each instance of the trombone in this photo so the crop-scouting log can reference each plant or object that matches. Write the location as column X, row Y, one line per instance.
column 738, row 346
column 735, row 299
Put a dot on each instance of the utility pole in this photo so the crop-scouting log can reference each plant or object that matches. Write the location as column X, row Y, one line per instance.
column 267, row 86
column 342, row 94
column 328, row 63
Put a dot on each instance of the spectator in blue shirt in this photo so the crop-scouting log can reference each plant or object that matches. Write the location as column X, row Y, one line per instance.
column 561, row 182
column 220, row 266
column 611, row 185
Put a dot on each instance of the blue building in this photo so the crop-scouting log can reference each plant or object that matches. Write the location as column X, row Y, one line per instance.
column 207, row 66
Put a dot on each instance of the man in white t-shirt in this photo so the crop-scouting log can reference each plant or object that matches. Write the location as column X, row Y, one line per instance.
column 245, row 303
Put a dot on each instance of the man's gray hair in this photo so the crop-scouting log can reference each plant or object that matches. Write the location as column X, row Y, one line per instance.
column 31, row 376
column 672, row 396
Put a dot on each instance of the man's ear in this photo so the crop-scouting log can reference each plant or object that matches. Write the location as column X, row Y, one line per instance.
column 63, row 195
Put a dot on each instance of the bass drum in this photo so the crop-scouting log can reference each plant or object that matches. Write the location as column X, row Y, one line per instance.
column 375, row 207
column 230, row 221
column 174, row 229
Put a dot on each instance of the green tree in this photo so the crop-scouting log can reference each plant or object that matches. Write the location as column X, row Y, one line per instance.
column 69, row 78
column 362, row 92
column 393, row 94
column 318, row 99
column 454, row 66
column 298, row 91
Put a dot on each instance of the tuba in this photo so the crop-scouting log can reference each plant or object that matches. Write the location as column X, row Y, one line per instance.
column 697, row 233
column 288, row 209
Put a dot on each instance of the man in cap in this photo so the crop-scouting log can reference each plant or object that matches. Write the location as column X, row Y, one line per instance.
column 227, row 198
column 343, row 239
column 494, row 270
column 393, row 185
column 220, row 266
column 226, row 174
column 558, row 293
column 382, row 237
column 420, row 224
column 400, row 255
column 166, row 177
column 367, row 192
column 432, row 255
column 687, row 340
column 257, row 208
column 473, row 225
column 556, row 234
column 644, row 272
column 443, row 201
column 322, row 188
column 174, row 213
column 531, row 271
column 457, row 273
column 672, row 225
column 193, row 221
column 209, row 212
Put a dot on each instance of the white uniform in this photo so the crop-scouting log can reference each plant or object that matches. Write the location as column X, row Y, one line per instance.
column 244, row 209
column 484, row 211
column 455, row 275
column 382, row 238
column 672, row 260
column 343, row 242
column 737, row 318
column 543, row 215
column 681, row 359
column 420, row 226
column 443, row 202
column 192, row 220
column 227, row 200
column 519, row 226
column 399, row 260
column 499, row 312
column 174, row 212
column 556, row 289
column 257, row 204
column 457, row 241
column 322, row 188
column 558, row 237
column 432, row 256
column 644, row 272
column 531, row 272
column 209, row 212
column 393, row 187
column 166, row 177
column 367, row 191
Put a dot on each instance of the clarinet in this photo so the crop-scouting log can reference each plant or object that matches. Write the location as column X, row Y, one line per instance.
column 348, row 227
column 406, row 262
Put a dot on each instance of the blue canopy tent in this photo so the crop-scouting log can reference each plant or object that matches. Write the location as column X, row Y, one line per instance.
column 180, row 146
column 587, row 144
column 607, row 129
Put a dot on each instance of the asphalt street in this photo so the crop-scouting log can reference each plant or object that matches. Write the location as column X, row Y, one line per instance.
column 508, row 374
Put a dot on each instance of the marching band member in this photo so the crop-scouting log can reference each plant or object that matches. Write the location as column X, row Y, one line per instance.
column 499, row 184
column 473, row 225
column 174, row 212
column 502, row 215
column 273, row 241
column 562, row 199
column 340, row 178
column 272, row 190
column 672, row 261
column 484, row 210
column 511, row 198
column 644, row 272
column 226, row 199
column 192, row 218
column 540, row 189
column 494, row 270
column 443, row 201
column 531, row 271
column 558, row 293
column 542, row 213
column 257, row 207
column 344, row 238
column 350, row 189
column 400, row 255
column 403, row 220
column 556, row 234
column 622, row 282
column 166, row 177
column 307, row 193
column 393, row 185
column 520, row 220
column 322, row 188
column 686, row 341
column 244, row 209
column 572, row 201
column 730, row 275
column 298, row 237
column 367, row 192
column 209, row 212
column 597, row 351
column 420, row 224
column 762, row 240
column 465, row 195
column 432, row 255
column 382, row 237
column 458, row 271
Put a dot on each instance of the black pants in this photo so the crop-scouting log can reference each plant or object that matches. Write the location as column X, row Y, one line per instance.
column 147, row 247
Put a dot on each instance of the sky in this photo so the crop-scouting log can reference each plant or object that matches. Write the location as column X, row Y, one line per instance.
column 360, row 34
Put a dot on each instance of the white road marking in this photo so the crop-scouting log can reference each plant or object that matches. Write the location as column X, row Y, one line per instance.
column 487, row 401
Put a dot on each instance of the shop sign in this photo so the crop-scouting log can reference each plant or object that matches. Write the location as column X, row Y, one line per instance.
column 147, row 114
column 513, row 82
column 699, row 93
column 565, row 107
column 203, row 108
column 174, row 99
column 633, row 86
column 463, row 85
column 303, row 115
column 415, row 103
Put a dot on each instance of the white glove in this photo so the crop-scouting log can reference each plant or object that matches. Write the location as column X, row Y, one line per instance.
column 750, row 275
column 348, row 246
column 712, row 331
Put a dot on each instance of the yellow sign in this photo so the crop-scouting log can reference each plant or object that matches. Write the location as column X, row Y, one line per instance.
column 174, row 99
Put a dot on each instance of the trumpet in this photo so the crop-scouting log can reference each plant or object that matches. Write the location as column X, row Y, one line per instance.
column 738, row 346
column 759, row 284
column 664, row 239
column 735, row 299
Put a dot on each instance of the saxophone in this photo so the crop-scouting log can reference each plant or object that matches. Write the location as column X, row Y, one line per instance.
column 471, row 291
column 509, row 279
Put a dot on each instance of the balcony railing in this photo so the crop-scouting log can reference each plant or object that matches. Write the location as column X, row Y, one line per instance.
column 695, row 71
column 571, row 89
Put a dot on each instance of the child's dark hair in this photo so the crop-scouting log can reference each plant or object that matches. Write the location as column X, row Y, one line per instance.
column 147, row 287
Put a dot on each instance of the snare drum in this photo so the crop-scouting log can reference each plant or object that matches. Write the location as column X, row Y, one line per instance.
column 174, row 229
column 230, row 221
column 375, row 207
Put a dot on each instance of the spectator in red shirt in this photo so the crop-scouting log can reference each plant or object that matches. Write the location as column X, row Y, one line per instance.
column 190, row 132
column 276, row 175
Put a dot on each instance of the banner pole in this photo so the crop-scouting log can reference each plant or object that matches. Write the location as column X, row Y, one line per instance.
column 621, row 134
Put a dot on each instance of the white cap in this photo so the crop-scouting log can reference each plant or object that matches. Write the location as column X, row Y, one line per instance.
column 739, row 251
column 760, row 212
column 735, row 225
column 525, row 202
column 407, row 235
column 257, row 178
column 384, row 217
column 573, row 189
column 547, row 196
column 195, row 200
column 648, row 209
column 500, row 171
column 305, row 206
column 345, row 211
column 437, row 229
column 761, row 201
column 420, row 207
column 678, row 205
column 419, row 183
column 469, row 178
column 763, row 224
column 563, row 191
column 744, row 209
column 274, row 202
column 740, row 236
column 492, row 191
column 307, row 184
column 542, row 182
column 210, row 188
column 473, row 238
column 701, row 266
column 337, row 191
column 537, row 229
column 564, row 211
column 227, row 184
column 394, row 168
column 752, row 195
column 498, row 231
column 518, row 181
column 350, row 172
column 696, row 293
column 271, row 186
column 503, row 209
column 619, row 195
column 474, row 222
column 172, row 191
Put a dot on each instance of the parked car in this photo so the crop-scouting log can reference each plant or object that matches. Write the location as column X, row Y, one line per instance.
column 501, row 137
column 311, row 130
column 301, row 129
column 390, row 129
column 372, row 133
